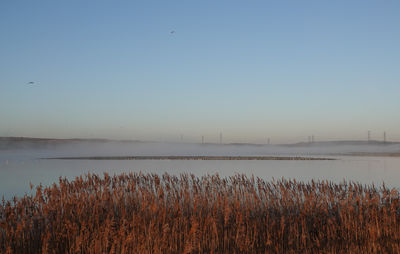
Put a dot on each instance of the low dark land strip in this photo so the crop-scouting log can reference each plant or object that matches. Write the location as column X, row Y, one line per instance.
column 191, row 158
column 395, row 154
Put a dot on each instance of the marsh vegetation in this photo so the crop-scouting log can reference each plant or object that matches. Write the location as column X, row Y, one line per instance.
column 148, row 213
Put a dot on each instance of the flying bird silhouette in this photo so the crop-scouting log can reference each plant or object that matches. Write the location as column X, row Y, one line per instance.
column 30, row 83
column 172, row 32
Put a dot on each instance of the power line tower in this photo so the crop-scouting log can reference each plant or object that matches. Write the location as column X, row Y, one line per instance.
column 268, row 141
column 384, row 137
column 220, row 137
column 369, row 136
column 202, row 139
column 312, row 139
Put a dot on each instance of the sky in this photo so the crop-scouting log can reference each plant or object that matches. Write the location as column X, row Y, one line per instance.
column 250, row 70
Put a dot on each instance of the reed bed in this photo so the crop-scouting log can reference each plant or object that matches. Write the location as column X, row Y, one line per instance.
column 148, row 213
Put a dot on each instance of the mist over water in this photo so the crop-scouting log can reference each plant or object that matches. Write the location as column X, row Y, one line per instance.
column 115, row 148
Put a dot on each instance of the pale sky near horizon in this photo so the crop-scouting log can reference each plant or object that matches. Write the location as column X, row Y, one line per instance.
column 249, row 69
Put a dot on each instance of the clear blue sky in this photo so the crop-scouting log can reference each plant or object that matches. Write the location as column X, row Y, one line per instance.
column 249, row 69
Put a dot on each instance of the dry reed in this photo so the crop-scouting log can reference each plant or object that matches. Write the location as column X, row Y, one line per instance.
column 148, row 213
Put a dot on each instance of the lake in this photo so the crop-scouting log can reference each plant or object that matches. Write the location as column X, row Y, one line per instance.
column 19, row 168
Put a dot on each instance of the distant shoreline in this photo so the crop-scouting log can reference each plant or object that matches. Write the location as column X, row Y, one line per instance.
column 57, row 141
column 297, row 158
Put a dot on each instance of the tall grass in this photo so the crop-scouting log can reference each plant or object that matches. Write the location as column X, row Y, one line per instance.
column 147, row 213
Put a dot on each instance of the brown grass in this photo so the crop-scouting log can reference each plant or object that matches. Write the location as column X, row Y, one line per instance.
column 139, row 213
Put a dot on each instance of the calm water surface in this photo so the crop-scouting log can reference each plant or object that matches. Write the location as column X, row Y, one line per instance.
column 19, row 169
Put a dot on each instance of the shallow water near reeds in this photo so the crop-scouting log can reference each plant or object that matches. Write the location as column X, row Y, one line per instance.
column 19, row 168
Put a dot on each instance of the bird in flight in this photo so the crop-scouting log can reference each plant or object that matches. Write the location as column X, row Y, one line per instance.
column 30, row 83
column 172, row 32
